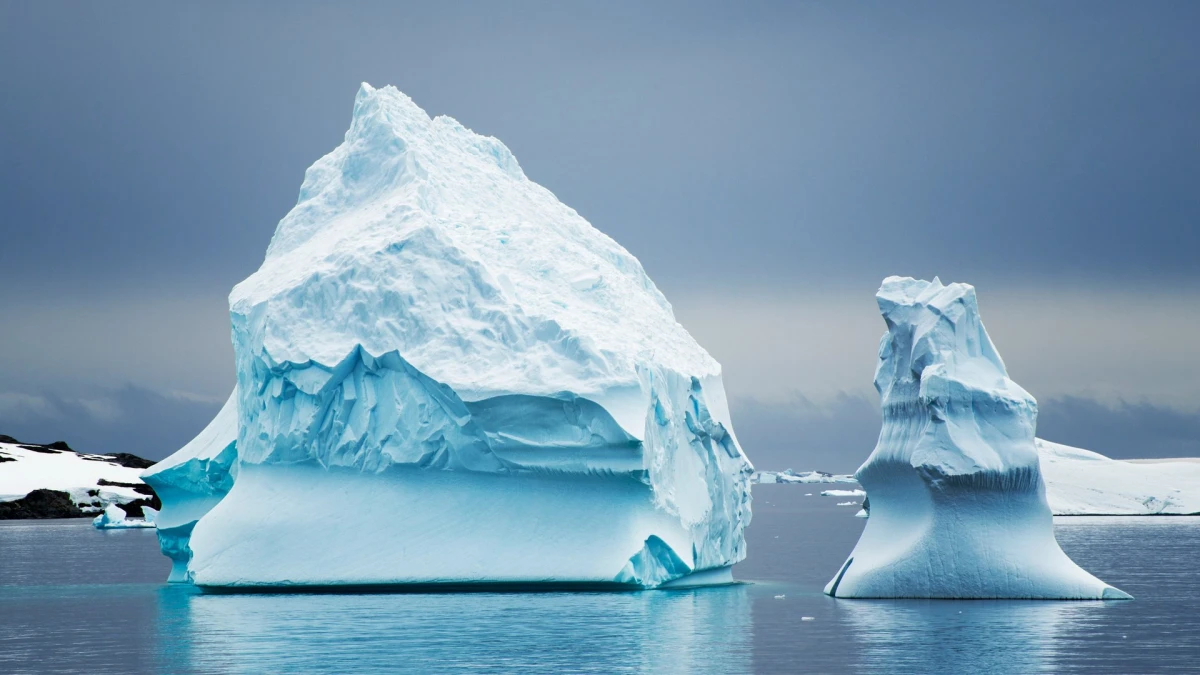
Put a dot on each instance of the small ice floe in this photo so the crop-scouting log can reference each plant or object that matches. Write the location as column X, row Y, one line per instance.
column 847, row 503
column 807, row 494
column 808, row 618
column 843, row 493
column 780, row 597
column 862, row 513
column 113, row 518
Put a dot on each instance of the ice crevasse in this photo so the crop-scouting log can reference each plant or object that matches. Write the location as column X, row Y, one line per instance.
column 958, row 504
column 445, row 375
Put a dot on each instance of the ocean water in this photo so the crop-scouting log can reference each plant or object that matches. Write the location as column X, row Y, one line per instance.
column 73, row 599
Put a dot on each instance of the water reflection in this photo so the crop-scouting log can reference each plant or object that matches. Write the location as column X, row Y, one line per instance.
column 946, row 636
column 700, row 630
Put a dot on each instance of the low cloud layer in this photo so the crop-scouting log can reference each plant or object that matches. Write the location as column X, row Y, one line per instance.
column 130, row 419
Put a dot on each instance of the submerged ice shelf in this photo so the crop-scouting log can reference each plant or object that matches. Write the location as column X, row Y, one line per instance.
column 444, row 375
column 957, row 503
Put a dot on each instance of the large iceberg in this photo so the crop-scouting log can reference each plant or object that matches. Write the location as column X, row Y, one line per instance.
column 958, row 506
column 445, row 375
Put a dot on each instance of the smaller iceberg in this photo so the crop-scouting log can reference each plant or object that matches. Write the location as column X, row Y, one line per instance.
column 113, row 518
column 958, row 506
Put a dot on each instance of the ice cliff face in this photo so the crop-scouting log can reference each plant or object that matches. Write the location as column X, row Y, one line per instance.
column 191, row 482
column 497, row 387
column 958, row 506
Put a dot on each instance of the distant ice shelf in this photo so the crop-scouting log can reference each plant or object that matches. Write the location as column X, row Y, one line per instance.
column 1080, row 482
column 808, row 477
column 1084, row 483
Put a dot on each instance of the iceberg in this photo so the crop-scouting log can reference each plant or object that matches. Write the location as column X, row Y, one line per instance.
column 958, row 504
column 495, row 389
column 1084, row 483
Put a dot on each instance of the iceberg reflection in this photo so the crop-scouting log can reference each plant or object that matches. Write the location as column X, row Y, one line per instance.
column 954, row 636
column 697, row 630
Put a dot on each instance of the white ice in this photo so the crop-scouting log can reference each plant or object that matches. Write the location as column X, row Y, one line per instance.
column 191, row 481
column 1084, row 483
column 494, row 388
column 113, row 518
column 958, row 505
column 843, row 493
column 789, row 476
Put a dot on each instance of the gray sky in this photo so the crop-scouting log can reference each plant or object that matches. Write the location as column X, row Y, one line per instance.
column 768, row 163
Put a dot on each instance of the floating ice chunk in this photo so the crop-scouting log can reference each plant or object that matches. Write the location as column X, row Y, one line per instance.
column 843, row 493
column 113, row 518
column 958, row 505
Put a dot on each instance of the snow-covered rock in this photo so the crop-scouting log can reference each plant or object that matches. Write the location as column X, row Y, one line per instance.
column 493, row 387
column 191, row 482
column 958, row 506
column 1084, row 483
column 113, row 518
column 92, row 481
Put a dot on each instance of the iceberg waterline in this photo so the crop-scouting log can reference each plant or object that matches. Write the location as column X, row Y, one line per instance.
column 494, row 388
column 958, row 504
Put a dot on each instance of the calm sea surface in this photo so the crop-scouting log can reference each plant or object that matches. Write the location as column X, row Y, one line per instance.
column 73, row 599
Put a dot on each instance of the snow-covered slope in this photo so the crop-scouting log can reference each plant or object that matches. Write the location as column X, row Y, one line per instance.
column 494, row 388
column 192, row 481
column 27, row 467
column 1081, row 482
column 958, row 506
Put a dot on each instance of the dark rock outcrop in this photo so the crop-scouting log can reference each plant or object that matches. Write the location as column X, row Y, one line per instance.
column 131, row 461
column 41, row 504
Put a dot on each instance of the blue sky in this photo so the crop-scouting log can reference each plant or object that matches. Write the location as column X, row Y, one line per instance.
column 768, row 163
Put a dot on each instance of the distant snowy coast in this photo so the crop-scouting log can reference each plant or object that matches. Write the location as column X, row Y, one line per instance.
column 1082, row 483
column 55, row 481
